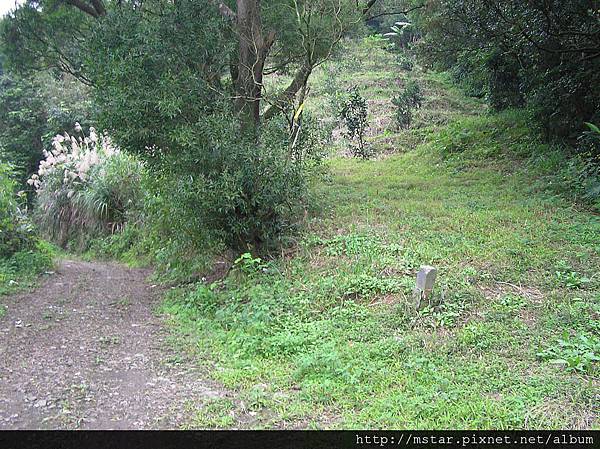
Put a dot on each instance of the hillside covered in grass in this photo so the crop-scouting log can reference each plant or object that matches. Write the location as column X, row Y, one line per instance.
column 327, row 336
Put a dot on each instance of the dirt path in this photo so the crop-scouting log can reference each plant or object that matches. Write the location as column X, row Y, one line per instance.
column 85, row 350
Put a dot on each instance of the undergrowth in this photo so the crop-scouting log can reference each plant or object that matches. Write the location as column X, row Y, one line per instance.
column 21, row 269
column 22, row 254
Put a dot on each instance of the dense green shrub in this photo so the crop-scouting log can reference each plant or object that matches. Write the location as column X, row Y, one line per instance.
column 16, row 232
column 581, row 174
column 409, row 99
column 20, row 268
column 236, row 190
column 22, row 254
column 240, row 194
column 354, row 113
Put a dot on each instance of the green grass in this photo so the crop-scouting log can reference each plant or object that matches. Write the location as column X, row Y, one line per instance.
column 20, row 271
column 327, row 337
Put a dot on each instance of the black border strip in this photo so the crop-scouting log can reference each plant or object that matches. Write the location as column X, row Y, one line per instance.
column 355, row 439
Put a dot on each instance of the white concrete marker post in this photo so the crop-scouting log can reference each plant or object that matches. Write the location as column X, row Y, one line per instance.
column 425, row 280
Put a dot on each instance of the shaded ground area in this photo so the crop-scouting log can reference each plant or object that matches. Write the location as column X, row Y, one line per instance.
column 84, row 350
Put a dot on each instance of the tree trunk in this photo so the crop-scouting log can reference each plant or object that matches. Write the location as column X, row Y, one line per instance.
column 253, row 50
column 299, row 82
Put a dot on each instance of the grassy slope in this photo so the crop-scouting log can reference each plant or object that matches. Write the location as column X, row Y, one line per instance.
column 325, row 337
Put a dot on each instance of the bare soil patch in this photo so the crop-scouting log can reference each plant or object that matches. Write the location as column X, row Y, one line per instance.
column 86, row 350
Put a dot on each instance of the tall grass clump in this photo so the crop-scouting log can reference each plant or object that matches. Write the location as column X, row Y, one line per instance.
column 86, row 187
